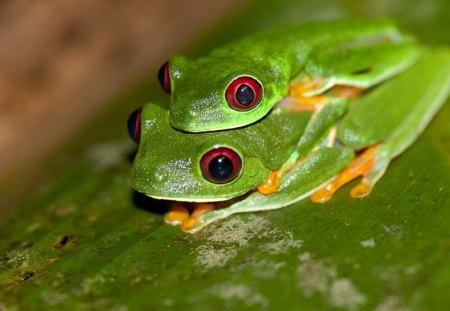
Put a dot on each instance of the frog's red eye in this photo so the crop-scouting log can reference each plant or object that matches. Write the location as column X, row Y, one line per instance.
column 164, row 77
column 134, row 125
column 220, row 165
column 243, row 93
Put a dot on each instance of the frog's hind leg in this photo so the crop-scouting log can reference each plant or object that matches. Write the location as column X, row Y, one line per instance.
column 370, row 164
column 360, row 66
column 298, row 101
column 419, row 105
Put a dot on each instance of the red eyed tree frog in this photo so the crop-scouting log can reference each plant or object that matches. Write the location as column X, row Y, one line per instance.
column 239, row 83
column 227, row 166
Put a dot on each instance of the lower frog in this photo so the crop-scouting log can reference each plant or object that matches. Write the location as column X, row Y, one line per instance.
column 222, row 173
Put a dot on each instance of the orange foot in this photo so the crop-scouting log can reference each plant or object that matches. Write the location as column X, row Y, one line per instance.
column 302, row 102
column 271, row 184
column 177, row 214
column 361, row 166
column 199, row 209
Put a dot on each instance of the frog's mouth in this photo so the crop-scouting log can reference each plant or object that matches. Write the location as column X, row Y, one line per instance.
column 206, row 200
column 194, row 205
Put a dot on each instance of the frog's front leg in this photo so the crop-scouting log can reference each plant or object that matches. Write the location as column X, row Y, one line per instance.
column 319, row 130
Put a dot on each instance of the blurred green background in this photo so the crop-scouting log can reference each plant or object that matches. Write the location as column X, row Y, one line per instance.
column 80, row 239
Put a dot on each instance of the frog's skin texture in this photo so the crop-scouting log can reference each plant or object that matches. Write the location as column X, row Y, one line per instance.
column 383, row 123
column 319, row 54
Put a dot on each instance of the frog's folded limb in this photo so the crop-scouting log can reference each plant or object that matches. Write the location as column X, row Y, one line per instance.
column 371, row 63
column 364, row 166
column 403, row 121
column 300, row 102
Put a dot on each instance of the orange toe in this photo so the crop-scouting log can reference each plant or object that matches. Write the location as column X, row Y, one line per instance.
column 362, row 190
column 189, row 223
column 177, row 213
column 271, row 184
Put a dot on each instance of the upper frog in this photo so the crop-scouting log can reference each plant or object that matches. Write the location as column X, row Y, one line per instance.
column 239, row 83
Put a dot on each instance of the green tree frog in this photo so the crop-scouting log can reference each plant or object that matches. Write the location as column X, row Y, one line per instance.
column 227, row 166
column 239, row 83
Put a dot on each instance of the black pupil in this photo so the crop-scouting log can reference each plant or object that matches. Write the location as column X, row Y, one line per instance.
column 245, row 95
column 220, row 167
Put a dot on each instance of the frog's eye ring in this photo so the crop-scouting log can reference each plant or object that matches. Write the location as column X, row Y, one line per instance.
column 164, row 77
column 243, row 93
column 220, row 165
column 134, row 125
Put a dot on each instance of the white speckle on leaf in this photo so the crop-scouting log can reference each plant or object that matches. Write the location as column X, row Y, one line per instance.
column 282, row 245
column 168, row 302
column 391, row 303
column 90, row 282
column 320, row 276
column 237, row 231
column 394, row 230
column 231, row 235
column 240, row 292
column 413, row 269
column 53, row 298
column 209, row 257
column 225, row 239
column 263, row 268
column 369, row 243
column 343, row 294
column 314, row 275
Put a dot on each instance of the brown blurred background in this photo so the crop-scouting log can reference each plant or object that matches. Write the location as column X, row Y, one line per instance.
column 61, row 61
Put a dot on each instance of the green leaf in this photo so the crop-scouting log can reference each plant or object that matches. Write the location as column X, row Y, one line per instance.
column 86, row 241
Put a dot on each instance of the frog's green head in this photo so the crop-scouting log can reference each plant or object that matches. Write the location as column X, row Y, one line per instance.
column 211, row 166
column 221, row 92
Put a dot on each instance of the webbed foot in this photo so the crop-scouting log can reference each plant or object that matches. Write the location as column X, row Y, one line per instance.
column 179, row 214
column 363, row 165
